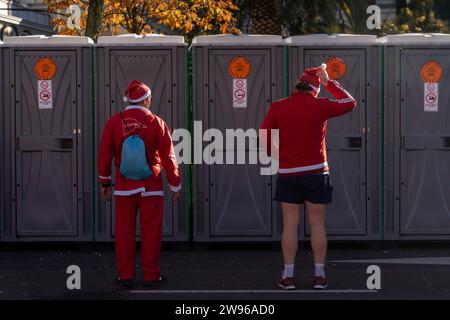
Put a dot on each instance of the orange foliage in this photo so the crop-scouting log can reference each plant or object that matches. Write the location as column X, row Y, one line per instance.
column 190, row 17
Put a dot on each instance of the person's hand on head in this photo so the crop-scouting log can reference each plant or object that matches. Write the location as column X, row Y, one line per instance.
column 323, row 75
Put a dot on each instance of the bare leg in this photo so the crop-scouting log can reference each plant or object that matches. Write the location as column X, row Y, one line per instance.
column 316, row 219
column 289, row 237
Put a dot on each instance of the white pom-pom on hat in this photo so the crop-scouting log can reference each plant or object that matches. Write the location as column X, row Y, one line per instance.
column 125, row 99
column 323, row 65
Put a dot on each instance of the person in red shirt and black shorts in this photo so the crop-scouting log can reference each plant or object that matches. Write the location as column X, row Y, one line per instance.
column 301, row 121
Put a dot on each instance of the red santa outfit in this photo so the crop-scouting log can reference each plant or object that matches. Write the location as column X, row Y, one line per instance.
column 145, row 195
column 302, row 123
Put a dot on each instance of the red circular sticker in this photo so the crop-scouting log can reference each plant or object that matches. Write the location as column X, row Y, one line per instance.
column 431, row 72
column 45, row 69
column 239, row 68
column 336, row 68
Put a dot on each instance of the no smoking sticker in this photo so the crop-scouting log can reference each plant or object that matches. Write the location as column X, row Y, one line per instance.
column 45, row 94
column 44, row 84
column 239, row 93
column 240, row 84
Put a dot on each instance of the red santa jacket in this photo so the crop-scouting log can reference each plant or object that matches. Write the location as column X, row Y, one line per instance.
column 302, row 123
column 159, row 149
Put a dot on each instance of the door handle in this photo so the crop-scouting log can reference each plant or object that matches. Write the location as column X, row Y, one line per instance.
column 66, row 143
column 354, row 142
column 446, row 142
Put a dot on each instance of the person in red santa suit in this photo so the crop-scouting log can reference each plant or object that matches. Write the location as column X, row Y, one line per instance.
column 131, row 195
column 301, row 121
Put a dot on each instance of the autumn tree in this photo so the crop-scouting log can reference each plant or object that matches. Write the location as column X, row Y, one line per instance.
column 417, row 16
column 355, row 13
column 442, row 9
column 400, row 5
column 188, row 17
column 309, row 16
column 94, row 19
column 287, row 17
column 265, row 17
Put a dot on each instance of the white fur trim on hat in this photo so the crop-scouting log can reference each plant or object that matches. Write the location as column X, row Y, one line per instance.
column 145, row 96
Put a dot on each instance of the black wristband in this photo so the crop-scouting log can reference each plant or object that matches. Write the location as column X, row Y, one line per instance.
column 106, row 185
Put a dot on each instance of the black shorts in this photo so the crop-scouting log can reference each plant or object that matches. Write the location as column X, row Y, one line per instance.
column 314, row 188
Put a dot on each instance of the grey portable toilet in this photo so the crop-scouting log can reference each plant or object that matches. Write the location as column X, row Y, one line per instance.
column 352, row 140
column 159, row 61
column 2, row 171
column 233, row 202
column 46, row 131
column 417, row 130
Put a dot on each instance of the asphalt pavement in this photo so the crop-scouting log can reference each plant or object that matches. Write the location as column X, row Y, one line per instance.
column 232, row 272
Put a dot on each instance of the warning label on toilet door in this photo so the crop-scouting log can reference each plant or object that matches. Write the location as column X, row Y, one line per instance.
column 45, row 94
column 240, row 93
column 431, row 98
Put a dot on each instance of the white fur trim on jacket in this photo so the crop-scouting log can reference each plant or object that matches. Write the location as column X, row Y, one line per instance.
column 175, row 189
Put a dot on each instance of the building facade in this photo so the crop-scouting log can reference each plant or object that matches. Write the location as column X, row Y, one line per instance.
column 24, row 17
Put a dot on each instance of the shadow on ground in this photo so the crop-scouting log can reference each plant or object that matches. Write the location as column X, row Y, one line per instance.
column 227, row 273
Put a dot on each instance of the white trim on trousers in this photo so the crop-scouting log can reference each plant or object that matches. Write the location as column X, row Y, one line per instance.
column 139, row 190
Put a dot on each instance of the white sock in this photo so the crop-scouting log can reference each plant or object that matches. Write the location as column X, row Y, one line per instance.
column 288, row 271
column 319, row 270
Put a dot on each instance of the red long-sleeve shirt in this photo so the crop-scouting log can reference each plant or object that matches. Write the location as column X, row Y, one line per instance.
column 159, row 150
column 302, row 123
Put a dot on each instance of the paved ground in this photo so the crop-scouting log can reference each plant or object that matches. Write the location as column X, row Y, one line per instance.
column 238, row 272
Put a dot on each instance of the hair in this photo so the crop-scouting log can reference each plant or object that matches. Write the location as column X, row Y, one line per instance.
column 303, row 86
column 142, row 103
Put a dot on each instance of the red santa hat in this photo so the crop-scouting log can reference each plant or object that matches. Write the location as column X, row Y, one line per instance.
column 137, row 91
column 312, row 78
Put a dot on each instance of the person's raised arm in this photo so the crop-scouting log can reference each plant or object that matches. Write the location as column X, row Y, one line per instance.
column 344, row 102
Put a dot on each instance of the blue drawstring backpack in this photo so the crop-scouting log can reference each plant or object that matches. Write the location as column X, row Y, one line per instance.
column 133, row 164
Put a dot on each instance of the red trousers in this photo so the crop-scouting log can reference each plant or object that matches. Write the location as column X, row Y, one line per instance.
column 151, row 215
